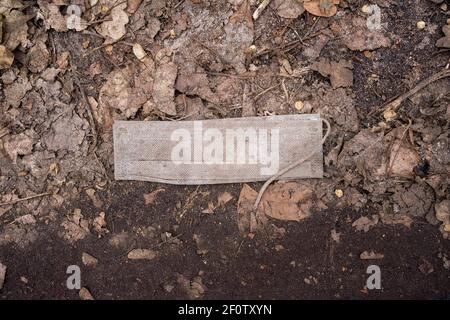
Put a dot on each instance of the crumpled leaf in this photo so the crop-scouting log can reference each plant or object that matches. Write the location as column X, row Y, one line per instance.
column 289, row 9
column 290, row 201
column 195, row 84
column 239, row 37
column 133, row 5
column 193, row 288
column 149, row 198
column 115, row 29
column 66, row 133
column 339, row 72
column 20, row 144
column 75, row 227
column 164, row 88
column 444, row 42
column 16, row 29
column 321, row 8
column 249, row 221
column 357, row 37
column 365, row 223
column 6, row 58
column 38, row 57
column 53, row 18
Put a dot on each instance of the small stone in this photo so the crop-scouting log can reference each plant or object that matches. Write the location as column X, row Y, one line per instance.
column 421, row 25
column 138, row 51
column 365, row 8
column 389, row 115
column 299, row 105
column 279, row 247
column 339, row 193
column 85, row 294
column 444, row 7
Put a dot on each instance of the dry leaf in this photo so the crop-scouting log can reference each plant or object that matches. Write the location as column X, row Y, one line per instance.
column 133, row 5
column 287, row 201
column 163, row 89
column 321, row 8
column 371, row 255
column 340, row 73
column 224, row 198
column 289, row 9
column 365, row 223
column 6, row 58
column 85, row 294
column 141, row 254
column 149, row 198
column 99, row 225
column 249, row 221
column 115, row 29
column 88, row 260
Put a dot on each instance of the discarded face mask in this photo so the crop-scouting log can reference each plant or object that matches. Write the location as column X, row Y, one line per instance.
column 218, row 151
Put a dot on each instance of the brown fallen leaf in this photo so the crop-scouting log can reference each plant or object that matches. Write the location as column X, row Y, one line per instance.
column 149, row 198
column 193, row 288
column 371, row 255
column 99, row 225
column 321, row 8
column 85, row 294
column 6, row 58
column 88, row 260
column 94, row 198
column 287, row 201
column 365, row 223
column 394, row 219
column 133, row 5
column 164, row 88
column 224, row 198
column 290, row 9
column 249, row 221
column 141, row 254
column 340, row 73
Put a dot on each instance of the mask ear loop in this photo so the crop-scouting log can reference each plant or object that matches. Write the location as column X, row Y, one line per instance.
column 289, row 167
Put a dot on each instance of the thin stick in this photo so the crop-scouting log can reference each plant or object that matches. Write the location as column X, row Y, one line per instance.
column 393, row 105
column 25, row 199
column 260, row 9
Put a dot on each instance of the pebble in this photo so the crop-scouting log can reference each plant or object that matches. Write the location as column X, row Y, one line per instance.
column 421, row 25
column 339, row 193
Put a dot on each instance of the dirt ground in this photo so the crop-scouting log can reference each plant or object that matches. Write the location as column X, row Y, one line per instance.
column 384, row 199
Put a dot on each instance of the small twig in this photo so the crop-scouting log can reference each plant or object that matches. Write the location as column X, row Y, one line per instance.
column 265, row 91
column 260, row 9
column 393, row 105
column 25, row 199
